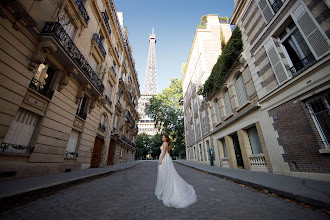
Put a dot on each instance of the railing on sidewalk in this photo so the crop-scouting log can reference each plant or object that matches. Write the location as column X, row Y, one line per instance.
column 257, row 160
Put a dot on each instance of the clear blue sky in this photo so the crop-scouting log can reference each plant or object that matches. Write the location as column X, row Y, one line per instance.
column 175, row 23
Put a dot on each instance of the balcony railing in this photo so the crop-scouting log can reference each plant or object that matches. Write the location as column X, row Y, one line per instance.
column 108, row 100
column 82, row 10
column 98, row 41
column 41, row 88
column 130, row 117
column 102, row 127
column 69, row 154
column 82, row 115
column 277, row 5
column 125, row 139
column 302, row 65
column 106, row 22
column 117, row 52
column 56, row 30
column 114, row 71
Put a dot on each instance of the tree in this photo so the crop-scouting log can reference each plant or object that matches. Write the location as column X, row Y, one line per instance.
column 167, row 113
column 142, row 146
column 155, row 144
column 222, row 39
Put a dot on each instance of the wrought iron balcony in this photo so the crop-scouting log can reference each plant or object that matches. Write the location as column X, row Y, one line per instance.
column 302, row 65
column 56, row 30
column 82, row 10
column 108, row 100
column 277, row 5
column 102, row 127
column 125, row 139
column 98, row 41
column 106, row 22
column 82, row 115
column 129, row 116
column 117, row 52
column 41, row 88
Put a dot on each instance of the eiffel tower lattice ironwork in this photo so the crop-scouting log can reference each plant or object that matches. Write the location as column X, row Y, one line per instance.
column 150, row 80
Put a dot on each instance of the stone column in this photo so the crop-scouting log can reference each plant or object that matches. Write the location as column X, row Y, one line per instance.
column 231, row 152
column 264, row 148
column 244, row 143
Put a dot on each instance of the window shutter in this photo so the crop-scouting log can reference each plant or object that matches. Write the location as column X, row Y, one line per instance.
column 21, row 130
column 265, row 9
column 240, row 91
column 276, row 62
column 72, row 143
column 309, row 29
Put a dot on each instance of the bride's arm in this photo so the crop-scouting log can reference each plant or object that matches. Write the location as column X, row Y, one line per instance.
column 163, row 154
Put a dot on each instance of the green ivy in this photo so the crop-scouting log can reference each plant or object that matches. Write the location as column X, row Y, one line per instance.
column 229, row 55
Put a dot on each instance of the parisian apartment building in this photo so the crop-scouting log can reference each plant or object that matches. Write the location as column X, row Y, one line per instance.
column 272, row 112
column 204, row 52
column 69, row 88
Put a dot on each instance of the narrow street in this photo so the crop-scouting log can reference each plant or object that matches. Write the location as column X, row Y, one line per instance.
column 129, row 194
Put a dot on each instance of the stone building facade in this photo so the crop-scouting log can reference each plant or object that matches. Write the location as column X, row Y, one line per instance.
column 272, row 113
column 204, row 52
column 69, row 88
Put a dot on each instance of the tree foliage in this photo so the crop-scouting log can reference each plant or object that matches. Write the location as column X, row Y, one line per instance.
column 229, row 55
column 167, row 113
column 142, row 146
column 155, row 144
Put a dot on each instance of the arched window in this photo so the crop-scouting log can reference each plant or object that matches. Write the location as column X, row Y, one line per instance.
column 227, row 102
column 217, row 110
column 240, row 91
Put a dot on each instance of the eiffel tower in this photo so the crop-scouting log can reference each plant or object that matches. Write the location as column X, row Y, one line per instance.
column 146, row 124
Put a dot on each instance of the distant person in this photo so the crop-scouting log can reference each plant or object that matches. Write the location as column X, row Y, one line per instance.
column 171, row 188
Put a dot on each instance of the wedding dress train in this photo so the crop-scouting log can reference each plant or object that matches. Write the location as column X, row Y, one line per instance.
column 171, row 188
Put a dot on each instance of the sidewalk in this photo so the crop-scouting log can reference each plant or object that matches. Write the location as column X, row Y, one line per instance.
column 16, row 189
column 312, row 192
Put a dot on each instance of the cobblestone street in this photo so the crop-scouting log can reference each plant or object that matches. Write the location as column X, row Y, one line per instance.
column 129, row 194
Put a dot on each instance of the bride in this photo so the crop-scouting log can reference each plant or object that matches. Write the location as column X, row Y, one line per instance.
column 171, row 187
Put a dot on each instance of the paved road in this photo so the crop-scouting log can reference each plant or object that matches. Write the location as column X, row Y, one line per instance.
column 129, row 194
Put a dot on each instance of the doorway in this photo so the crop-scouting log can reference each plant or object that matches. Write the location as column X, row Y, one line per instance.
column 111, row 153
column 238, row 152
column 97, row 151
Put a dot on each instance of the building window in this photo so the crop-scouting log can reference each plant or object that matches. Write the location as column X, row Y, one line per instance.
column 20, row 132
column 296, row 49
column 269, row 7
column 319, row 108
column 217, row 110
column 43, row 80
column 82, row 108
column 198, row 130
column 93, row 63
column 254, row 140
column 201, row 152
column 227, row 102
column 71, row 148
column 195, row 152
column 192, row 134
column 66, row 23
column 224, row 148
column 205, row 125
column 102, row 123
column 240, row 91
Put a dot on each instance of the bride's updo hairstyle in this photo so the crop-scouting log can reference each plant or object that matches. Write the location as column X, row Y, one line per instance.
column 169, row 142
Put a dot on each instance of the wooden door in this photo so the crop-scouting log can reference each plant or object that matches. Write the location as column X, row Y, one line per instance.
column 238, row 152
column 111, row 153
column 97, row 150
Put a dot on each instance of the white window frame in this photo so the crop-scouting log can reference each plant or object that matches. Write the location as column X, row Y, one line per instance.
column 316, row 122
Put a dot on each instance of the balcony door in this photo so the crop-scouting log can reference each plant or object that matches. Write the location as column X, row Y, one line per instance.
column 238, row 152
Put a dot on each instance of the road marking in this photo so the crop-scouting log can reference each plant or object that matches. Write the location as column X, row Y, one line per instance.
column 38, row 187
column 57, row 182
column 211, row 189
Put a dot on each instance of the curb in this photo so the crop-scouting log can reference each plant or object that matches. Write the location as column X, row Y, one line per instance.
column 9, row 200
column 289, row 195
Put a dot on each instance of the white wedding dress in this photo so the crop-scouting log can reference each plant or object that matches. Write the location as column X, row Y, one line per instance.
column 171, row 187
